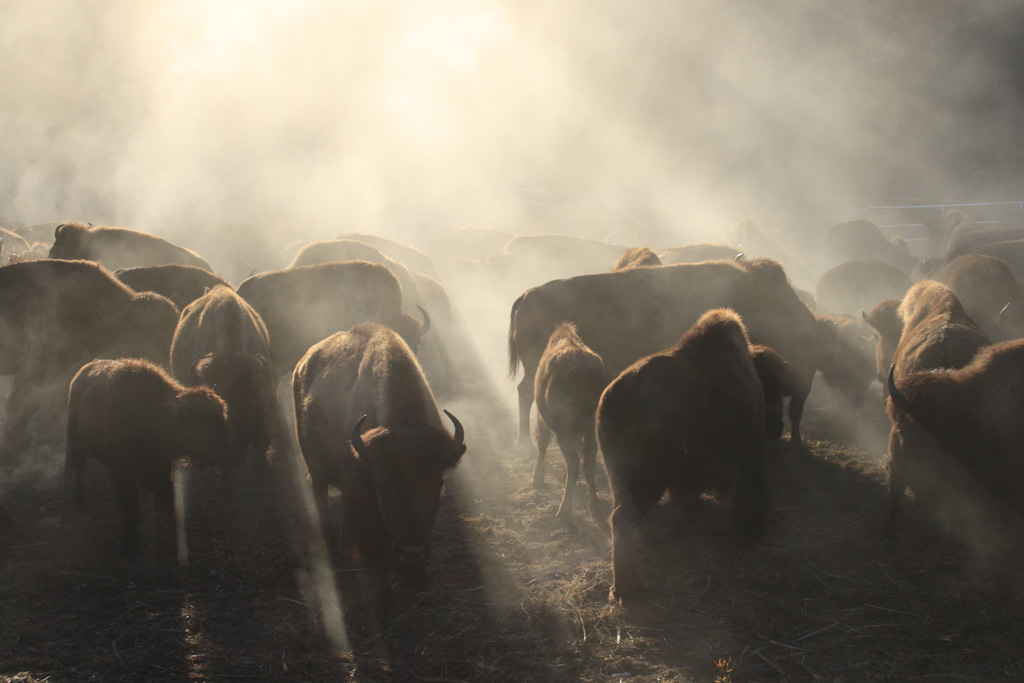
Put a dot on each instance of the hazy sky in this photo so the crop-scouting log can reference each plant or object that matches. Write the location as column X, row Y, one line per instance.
column 157, row 114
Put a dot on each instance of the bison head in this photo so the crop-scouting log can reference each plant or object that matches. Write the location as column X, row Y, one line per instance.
column 68, row 242
column 202, row 423
column 407, row 468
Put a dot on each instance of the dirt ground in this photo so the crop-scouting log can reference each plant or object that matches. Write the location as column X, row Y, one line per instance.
column 832, row 592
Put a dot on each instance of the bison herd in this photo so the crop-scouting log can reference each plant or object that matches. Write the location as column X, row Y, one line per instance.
column 674, row 363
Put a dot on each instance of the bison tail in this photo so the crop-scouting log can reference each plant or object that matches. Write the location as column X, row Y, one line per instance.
column 513, row 351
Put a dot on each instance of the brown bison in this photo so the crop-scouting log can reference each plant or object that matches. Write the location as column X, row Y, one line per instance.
column 1010, row 252
column 690, row 419
column 960, row 435
column 132, row 417
column 695, row 253
column 885, row 319
column 859, row 240
column 409, row 256
column 637, row 256
column 222, row 342
column 368, row 424
column 569, row 382
column 180, row 284
column 857, row 286
column 55, row 316
column 937, row 334
column 628, row 314
column 116, row 248
column 854, row 365
column 302, row 306
column 988, row 291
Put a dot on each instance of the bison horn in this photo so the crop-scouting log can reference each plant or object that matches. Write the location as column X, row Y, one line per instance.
column 357, row 440
column 738, row 258
column 460, row 433
column 196, row 371
column 1002, row 312
column 426, row 320
column 899, row 399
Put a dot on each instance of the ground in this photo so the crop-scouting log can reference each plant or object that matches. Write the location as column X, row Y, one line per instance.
column 832, row 592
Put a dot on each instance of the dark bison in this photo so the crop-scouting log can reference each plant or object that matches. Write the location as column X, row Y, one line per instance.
column 222, row 342
column 55, row 316
column 937, row 334
column 637, row 256
column 690, row 419
column 857, row 286
column 132, row 417
column 368, row 424
column 988, row 291
column 569, row 382
column 302, row 306
column 628, row 314
column 855, row 363
column 960, row 434
column 180, row 284
column 115, row 248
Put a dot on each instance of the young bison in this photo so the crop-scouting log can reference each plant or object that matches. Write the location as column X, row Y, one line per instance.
column 689, row 419
column 570, row 379
column 130, row 415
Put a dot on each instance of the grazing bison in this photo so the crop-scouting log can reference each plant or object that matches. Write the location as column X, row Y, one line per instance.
column 55, row 316
column 301, row 306
column 180, row 284
column 628, row 314
column 569, row 382
column 690, row 419
column 960, row 434
column 853, row 365
column 988, row 291
column 368, row 424
column 937, row 334
column 222, row 342
column 773, row 372
column 132, row 417
column 637, row 256
column 857, row 286
column 116, row 248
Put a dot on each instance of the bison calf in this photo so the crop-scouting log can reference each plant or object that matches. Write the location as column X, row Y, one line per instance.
column 689, row 419
column 569, row 382
column 130, row 415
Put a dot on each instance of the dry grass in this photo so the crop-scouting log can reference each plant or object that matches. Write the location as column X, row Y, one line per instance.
column 832, row 592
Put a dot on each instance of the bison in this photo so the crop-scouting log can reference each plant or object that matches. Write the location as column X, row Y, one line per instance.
column 221, row 342
column 132, row 417
column 568, row 385
column 960, row 435
column 637, row 256
column 180, row 284
column 857, row 286
column 368, row 424
column 937, row 333
column 302, row 306
column 695, row 253
column 689, row 419
column 55, row 316
column 988, row 291
column 628, row 314
column 862, row 240
column 116, row 248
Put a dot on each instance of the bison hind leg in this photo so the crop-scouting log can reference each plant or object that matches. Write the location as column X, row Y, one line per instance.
column 543, row 440
column 570, row 447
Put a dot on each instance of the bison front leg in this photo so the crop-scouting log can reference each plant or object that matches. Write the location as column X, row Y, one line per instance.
column 796, row 412
column 590, row 475
column 626, row 583
column 897, row 473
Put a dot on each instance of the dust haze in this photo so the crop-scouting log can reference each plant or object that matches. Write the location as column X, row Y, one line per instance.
column 391, row 117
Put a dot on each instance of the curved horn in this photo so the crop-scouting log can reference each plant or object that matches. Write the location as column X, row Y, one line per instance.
column 357, row 440
column 426, row 320
column 460, row 433
column 899, row 399
column 1002, row 311
column 195, row 372
column 738, row 258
